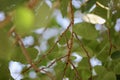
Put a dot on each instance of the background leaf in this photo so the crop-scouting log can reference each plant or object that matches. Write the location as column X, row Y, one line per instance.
column 86, row 30
column 109, row 76
column 7, row 5
column 63, row 7
column 43, row 14
column 115, row 55
column 4, row 71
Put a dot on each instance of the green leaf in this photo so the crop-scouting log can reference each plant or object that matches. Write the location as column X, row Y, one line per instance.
column 104, row 2
column 86, row 30
column 64, row 39
column 84, row 64
column 103, row 52
column 32, row 52
column 59, row 69
column 117, row 69
column 100, row 12
column 85, row 74
column 115, row 55
column 100, row 70
column 63, row 7
column 19, row 56
column 86, row 6
column 5, row 45
column 7, row 5
column 4, row 71
column 53, row 23
column 70, row 73
column 109, row 76
column 83, row 53
column 42, row 14
column 56, row 51
column 92, row 44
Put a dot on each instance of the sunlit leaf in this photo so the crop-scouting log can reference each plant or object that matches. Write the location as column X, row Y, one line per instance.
column 94, row 19
column 24, row 19
column 86, row 30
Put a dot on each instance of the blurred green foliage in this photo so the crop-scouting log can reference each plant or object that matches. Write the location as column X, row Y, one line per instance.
column 103, row 44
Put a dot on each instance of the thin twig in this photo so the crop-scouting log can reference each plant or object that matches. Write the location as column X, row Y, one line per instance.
column 25, row 53
column 64, row 71
column 80, row 42
column 53, row 62
column 56, row 60
column 102, row 6
column 51, row 49
column 87, row 53
column 109, row 38
column 76, row 71
column 70, row 41
column 49, row 74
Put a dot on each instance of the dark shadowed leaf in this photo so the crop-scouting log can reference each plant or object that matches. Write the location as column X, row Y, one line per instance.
column 86, row 6
column 4, row 71
column 115, row 55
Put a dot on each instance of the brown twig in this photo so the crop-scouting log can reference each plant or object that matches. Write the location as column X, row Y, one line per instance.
column 25, row 53
column 110, row 42
column 70, row 41
column 6, row 21
column 87, row 53
column 56, row 61
column 76, row 71
column 49, row 74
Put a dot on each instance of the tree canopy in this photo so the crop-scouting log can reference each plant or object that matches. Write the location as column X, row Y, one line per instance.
column 59, row 39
